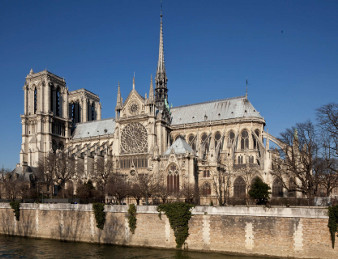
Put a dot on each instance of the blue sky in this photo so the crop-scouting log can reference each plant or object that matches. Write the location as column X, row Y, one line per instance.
column 287, row 50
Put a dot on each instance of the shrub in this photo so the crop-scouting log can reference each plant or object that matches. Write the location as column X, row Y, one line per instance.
column 15, row 205
column 132, row 218
column 100, row 215
column 179, row 215
column 260, row 191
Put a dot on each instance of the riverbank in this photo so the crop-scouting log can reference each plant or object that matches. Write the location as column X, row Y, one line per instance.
column 299, row 232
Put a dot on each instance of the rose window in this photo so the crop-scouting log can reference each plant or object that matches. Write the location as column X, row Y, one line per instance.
column 134, row 139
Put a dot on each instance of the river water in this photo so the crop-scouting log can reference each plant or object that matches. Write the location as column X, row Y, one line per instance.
column 20, row 247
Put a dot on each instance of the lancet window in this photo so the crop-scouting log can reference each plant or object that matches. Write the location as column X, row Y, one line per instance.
column 255, row 141
column 277, row 188
column 244, row 140
column 35, row 100
column 192, row 141
column 173, row 180
column 206, row 189
column 239, row 187
column 231, row 138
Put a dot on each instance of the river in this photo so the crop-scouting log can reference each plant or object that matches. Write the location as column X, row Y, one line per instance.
column 20, row 247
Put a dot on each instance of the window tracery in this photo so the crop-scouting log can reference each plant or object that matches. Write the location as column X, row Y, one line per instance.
column 192, row 141
column 231, row 138
column 206, row 189
column 134, row 139
column 173, row 180
column 244, row 140
column 35, row 100
column 239, row 187
column 277, row 188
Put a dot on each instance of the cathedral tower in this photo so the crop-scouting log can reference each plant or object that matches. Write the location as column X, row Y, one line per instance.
column 45, row 122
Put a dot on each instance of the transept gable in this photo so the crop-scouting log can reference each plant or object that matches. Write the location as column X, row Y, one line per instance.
column 133, row 105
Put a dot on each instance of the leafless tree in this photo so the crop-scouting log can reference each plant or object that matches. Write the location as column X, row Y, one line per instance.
column 299, row 160
column 189, row 192
column 56, row 168
column 148, row 184
column 327, row 117
column 118, row 187
column 104, row 170
column 221, row 180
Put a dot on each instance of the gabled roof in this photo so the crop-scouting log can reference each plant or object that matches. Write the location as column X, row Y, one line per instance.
column 94, row 128
column 237, row 107
column 180, row 146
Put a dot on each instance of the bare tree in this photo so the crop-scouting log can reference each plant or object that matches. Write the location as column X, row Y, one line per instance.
column 327, row 117
column 299, row 160
column 104, row 170
column 65, row 169
column 117, row 187
column 221, row 180
column 148, row 185
column 189, row 193
column 56, row 168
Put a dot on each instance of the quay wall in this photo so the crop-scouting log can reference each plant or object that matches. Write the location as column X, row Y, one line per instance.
column 298, row 232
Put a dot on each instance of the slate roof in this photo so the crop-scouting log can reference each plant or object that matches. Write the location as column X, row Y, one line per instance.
column 237, row 107
column 180, row 146
column 94, row 128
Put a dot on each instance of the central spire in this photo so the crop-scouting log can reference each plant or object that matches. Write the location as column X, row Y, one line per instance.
column 160, row 63
column 161, row 91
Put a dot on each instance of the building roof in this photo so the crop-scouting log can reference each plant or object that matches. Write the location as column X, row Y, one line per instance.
column 94, row 128
column 180, row 146
column 237, row 107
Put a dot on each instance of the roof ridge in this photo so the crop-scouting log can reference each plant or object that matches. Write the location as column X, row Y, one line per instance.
column 87, row 122
column 218, row 100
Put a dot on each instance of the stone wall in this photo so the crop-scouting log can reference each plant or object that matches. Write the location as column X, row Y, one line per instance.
column 281, row 232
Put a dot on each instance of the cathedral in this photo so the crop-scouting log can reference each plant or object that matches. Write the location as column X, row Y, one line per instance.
column 219, row 146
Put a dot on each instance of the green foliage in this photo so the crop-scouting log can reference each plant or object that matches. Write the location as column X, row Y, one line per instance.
column 179, row 215
column 132, row 218
column 333, row 220
column 260, row 191
column 100, row 215
column 15, row 205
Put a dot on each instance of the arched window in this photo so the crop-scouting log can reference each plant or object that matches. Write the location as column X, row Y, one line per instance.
column 277, row 188
column 179, row 136
column 173, row 180
column 206, row 189
column 255, row 141
column 93, row 111
column 231, row 138
column 240, row 159
column 218, row 137
column 292, row 188
column 239, row 188
column 205, row 143
column 58, row 102
column 244, row 140
column 35, row 100
column 192, row 141
column 251, row 159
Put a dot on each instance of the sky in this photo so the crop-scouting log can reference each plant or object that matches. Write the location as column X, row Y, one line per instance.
column 287, row 50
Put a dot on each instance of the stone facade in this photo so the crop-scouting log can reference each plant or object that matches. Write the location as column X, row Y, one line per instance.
column 280, row 232
column 216, row 145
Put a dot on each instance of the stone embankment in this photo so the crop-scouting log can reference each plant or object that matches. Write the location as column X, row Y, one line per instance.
column 299, row 232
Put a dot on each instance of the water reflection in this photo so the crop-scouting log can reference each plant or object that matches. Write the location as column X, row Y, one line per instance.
column 19, row 247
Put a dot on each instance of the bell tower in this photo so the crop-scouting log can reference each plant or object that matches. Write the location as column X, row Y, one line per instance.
column 45, row 122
